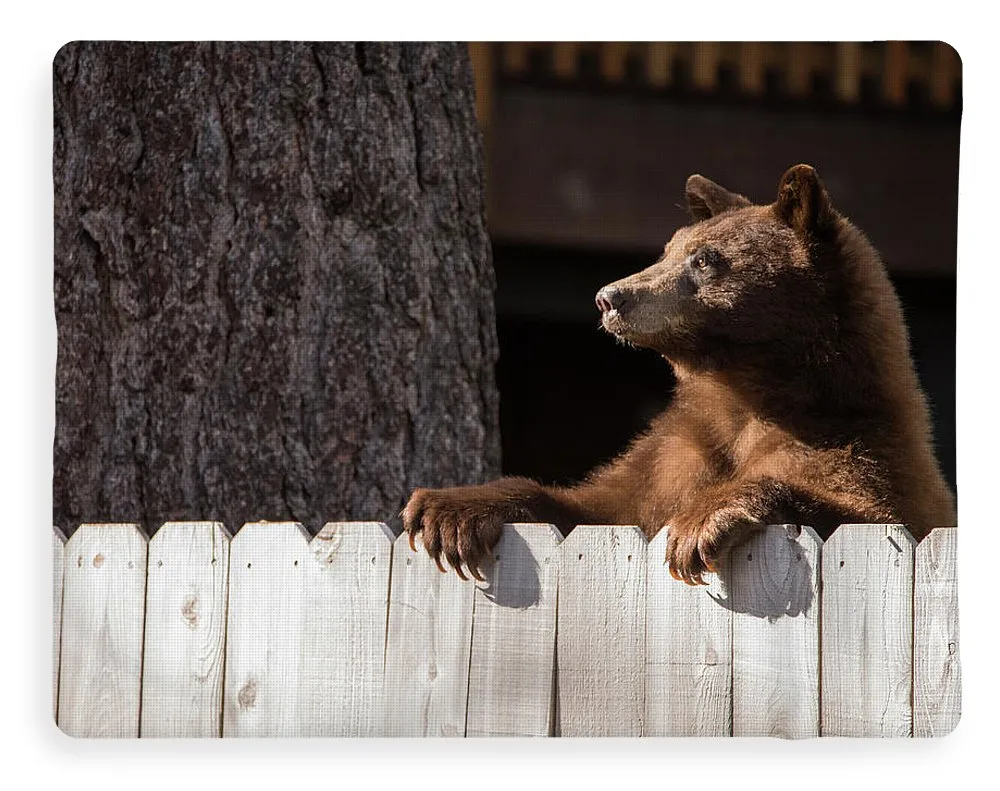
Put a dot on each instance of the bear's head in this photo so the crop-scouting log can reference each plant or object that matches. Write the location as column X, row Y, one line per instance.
column 740, row 277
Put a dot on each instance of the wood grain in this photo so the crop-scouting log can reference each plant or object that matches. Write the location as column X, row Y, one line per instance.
column 937, row 675
column 773, row 587
column 514, row 636
column 343, row 648
column 600, row 649
column 688, row 653
column 857, row 637
column 58, row 559
column 101, row 657
column 307, row 630
column 265, row 627
column 867, row 638
column 427, row 647
column 184, row 645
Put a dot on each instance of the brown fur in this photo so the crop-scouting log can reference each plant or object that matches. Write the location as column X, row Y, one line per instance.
column 797, row 400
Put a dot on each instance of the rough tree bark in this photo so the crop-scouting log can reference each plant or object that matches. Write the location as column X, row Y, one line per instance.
column 273, row 283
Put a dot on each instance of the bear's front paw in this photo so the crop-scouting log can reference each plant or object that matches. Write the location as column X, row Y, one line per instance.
column 696, row 545
column 461, row 524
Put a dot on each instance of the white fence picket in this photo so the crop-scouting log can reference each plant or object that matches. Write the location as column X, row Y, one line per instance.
column 867, row 640
column 101, row 658
column 601, row 651
column 427, row 647
column 268, row 571
column 937, row 678
column 688, row 653
column 183, row 656
column 347, row 613
column 773, row 588
column 513, row 636
column 58, row 555
column 320, row 643
column 307, row 630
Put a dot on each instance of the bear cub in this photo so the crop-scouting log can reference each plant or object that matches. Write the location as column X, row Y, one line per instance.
column 796, row 398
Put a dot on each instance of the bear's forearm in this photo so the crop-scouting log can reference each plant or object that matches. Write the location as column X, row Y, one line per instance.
column 461, row 525
column 525, row 500
column 764, row 499
column 516, row 499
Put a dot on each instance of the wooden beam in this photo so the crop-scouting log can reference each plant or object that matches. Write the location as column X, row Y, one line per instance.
column 752, row 64
column 798, row 69
column 565, row 59
column 895, row 74
column 481, row 54
column 946, row 69
column 848, row 72
column 613, row 57
column 515, row 58
column 705, row 71
column 660, row 63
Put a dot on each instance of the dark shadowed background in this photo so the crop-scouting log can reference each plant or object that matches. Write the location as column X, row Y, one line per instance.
column 588, row 147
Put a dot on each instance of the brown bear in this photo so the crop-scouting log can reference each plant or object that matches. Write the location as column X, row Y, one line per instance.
column 796, row 399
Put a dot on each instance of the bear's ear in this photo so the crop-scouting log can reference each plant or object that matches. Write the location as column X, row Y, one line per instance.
column 802, row 201
column 706, row 198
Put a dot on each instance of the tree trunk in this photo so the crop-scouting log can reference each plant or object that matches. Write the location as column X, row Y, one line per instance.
column 273, row 283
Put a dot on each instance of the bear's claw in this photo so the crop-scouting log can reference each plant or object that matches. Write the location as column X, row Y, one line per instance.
column 696, row 546
column 452, row 530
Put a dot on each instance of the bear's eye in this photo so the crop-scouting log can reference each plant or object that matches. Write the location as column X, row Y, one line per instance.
column 703, row 260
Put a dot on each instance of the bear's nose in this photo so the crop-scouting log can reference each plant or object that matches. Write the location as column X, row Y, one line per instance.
column 610, row 298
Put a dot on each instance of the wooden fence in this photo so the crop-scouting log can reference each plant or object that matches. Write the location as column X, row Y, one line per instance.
column 351, row 633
